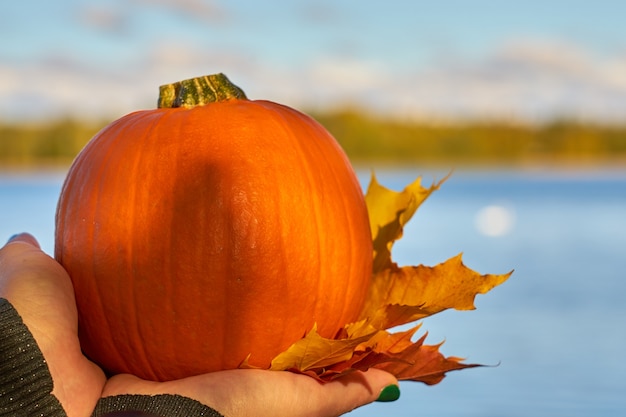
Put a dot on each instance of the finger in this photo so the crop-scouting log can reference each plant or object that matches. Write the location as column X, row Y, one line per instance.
column 360, row 388
column 25, row 238
column 383, row 384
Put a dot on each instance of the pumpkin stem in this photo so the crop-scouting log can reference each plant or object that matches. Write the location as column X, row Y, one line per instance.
column 198, row 92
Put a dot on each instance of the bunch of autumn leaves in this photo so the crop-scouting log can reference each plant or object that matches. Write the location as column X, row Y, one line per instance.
column 397, row 296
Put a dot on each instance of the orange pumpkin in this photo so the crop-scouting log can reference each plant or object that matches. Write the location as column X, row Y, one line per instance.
column 211, row 230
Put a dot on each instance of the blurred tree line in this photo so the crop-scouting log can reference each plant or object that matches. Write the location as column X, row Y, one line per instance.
column 475, row 142
column 51, row 143
column 367, row 138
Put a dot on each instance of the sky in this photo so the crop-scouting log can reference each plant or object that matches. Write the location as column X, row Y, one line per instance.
column 447, row 59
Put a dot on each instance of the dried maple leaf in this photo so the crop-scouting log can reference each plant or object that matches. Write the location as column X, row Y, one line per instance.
column 316, row 352
column 423, row 363
column 389, row 211
column 397, row 296
column 402, row 295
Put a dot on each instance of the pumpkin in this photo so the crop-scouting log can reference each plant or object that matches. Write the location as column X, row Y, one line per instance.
column 211, row 231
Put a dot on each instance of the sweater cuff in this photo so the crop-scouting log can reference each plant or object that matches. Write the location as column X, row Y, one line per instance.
column 25, row 380
column 165, row 405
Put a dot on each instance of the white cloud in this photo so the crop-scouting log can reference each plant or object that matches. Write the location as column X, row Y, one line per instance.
column 58, row 85
column 352, row 74
column 526, row 79
column 335, row 82
column 193, row 9
column 105, row 18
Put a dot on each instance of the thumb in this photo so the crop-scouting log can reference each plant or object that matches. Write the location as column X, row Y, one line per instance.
column 24, row 238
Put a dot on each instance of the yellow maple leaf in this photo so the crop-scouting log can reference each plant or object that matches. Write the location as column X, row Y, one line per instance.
column 389, row 211
column 402, row 295
column 397, row 296
column 314, row 351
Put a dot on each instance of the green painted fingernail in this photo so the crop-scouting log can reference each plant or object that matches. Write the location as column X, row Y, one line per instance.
column 389, row 393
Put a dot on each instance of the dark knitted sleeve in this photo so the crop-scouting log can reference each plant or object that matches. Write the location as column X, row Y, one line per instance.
column 159, row 405
column 25, row 381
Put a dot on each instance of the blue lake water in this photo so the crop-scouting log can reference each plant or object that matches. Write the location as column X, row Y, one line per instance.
column 556, row 330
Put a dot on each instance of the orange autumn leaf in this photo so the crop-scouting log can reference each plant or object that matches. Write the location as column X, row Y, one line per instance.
column 314, row 351
column 397, row 296
column 392, row 352
column 402, row 295
column 389, row 211
column 411, row 360
column 423, row 363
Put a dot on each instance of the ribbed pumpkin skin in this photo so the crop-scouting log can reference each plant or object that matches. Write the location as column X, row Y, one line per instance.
column 196, row 237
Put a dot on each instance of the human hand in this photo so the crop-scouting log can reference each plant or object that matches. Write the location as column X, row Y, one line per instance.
column 248, row 392
column 42, row 293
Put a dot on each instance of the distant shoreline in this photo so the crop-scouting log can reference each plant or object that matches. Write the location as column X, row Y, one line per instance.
column 426, row 169
column 373, row 141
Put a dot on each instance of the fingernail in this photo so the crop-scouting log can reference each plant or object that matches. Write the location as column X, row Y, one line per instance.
column 13, row 237
column 389, row 393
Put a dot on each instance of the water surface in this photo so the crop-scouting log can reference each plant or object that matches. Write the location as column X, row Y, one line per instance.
column 555, row 330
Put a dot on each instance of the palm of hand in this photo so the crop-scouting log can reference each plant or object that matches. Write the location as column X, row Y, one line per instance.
column 246, row 392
